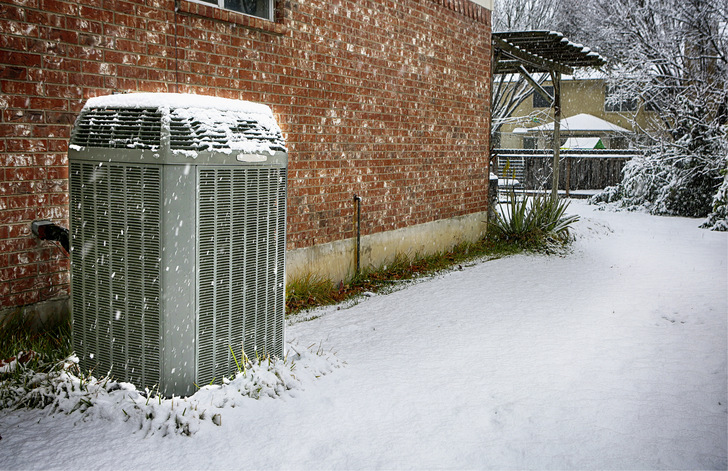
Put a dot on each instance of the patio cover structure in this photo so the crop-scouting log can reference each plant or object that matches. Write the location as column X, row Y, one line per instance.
column 527, row 52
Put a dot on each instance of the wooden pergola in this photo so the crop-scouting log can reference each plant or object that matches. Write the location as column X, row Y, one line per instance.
column 528, row 52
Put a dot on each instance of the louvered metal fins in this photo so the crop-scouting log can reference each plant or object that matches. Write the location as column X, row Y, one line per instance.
column 177, row 259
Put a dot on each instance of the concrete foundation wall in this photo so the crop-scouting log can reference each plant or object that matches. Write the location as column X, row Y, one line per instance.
column 336, row 260
column 38, row 315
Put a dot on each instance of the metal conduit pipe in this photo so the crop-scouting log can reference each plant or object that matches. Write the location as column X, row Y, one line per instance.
column 357, row 230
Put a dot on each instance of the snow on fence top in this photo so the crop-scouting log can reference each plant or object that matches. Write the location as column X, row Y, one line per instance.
column 195, row 123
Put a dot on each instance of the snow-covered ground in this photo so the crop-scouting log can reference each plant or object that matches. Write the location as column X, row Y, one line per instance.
column 613, row 357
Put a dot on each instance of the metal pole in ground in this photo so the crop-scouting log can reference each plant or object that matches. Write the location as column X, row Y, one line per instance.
column 556, row 80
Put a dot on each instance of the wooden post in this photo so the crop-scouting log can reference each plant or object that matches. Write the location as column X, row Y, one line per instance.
column 567, row 179
column 492, row 160
column 556, row 81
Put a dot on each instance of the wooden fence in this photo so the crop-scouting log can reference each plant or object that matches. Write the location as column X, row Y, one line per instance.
column 579, row 170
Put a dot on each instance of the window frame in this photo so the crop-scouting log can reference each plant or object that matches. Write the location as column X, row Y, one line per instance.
column 538, row 100
column 221, row 5
column 530, row 142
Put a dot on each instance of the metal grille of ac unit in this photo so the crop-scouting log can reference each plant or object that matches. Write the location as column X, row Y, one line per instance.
column 115, row 270
column 187, row 133
column 177, row 238
column 241, row 267
column 118, row 128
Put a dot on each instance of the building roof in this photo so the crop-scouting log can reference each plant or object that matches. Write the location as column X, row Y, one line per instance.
column 540, row 51
column 583, row 143
column 579, row 122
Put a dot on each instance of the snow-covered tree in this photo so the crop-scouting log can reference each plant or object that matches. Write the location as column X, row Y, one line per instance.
column 525, row 15
column 673, row 55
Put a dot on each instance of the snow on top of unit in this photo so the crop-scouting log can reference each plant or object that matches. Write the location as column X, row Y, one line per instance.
column 214, row 123
column 214, row 126
column 176, row 101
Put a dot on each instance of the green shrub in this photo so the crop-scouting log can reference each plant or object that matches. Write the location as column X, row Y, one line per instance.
column 533, row 223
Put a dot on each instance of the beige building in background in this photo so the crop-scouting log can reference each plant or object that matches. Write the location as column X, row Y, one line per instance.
column 580, row 95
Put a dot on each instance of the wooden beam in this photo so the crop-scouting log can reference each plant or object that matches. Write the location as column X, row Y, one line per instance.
column 536, row 62
column 538, row 88
column 551, row 46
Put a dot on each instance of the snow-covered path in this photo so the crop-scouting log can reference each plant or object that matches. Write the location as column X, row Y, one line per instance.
column 611, row 357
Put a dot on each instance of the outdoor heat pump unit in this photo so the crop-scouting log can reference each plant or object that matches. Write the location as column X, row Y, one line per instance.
column 178, row 237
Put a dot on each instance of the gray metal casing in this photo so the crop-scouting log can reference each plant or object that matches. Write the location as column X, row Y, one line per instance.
column 176, row 262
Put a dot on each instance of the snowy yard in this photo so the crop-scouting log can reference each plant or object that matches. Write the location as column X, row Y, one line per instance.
column 611, row 357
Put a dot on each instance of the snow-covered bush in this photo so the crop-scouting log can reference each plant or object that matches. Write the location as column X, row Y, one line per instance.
column 683, row 174
column 671, row 57
column 669, row 184
column 718, row 218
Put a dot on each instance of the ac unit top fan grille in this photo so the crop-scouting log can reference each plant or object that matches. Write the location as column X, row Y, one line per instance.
column 190, row 128
column 222, row 131
column 121, row 128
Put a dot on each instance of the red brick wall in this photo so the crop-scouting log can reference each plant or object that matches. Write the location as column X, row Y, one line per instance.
column 385, row 99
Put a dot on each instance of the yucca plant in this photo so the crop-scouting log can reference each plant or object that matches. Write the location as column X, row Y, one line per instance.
column 533, row 223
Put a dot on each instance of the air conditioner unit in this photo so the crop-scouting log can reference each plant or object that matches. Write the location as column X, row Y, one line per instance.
column 178, row 234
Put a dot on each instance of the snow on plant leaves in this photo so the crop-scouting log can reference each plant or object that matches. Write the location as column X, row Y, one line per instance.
column 65, row 390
